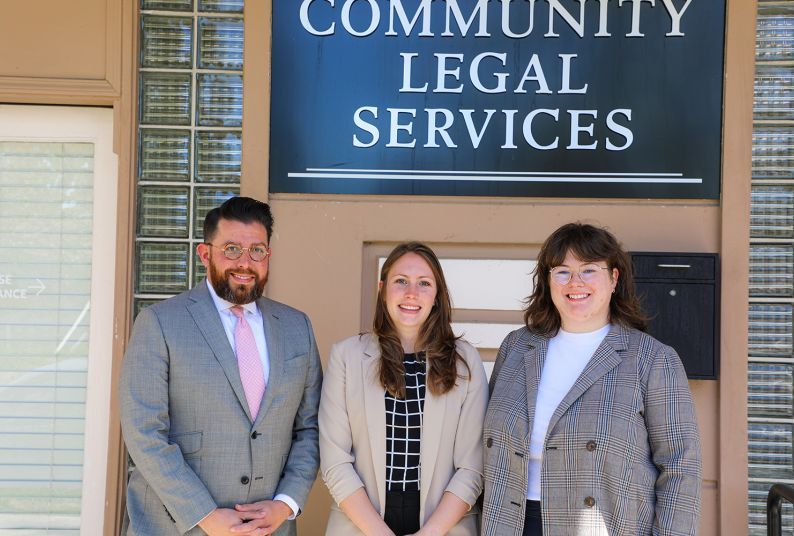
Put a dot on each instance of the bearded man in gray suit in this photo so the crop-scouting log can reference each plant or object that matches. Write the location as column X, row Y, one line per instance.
column 219, row 395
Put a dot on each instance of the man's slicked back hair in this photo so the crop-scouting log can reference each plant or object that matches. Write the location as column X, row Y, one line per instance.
column 242, row 209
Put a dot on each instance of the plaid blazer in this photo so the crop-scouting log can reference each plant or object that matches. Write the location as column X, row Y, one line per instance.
column 622, row 451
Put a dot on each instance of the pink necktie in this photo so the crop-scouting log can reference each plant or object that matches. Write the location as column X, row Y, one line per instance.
column 248, row 361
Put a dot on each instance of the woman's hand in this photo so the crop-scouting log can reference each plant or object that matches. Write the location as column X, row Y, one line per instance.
column 363, row 515
column 449, row 511
column 424, row 532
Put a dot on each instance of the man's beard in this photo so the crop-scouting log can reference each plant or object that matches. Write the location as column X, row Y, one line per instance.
column 236, row 294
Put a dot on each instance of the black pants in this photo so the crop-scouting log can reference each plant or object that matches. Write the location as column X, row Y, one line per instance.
column 402, row 512
column 533, row 522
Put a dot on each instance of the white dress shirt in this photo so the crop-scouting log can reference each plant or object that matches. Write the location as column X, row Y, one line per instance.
column 254, row 318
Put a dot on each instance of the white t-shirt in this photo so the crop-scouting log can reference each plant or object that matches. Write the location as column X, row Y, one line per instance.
column 567, row 357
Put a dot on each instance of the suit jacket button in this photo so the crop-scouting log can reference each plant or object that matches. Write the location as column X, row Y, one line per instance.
column 591, row 446
column 589, row 502
column 245, row 480
column 255, row 434
column 489, row 442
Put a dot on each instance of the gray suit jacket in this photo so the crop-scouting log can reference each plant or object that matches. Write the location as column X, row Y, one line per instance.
column 187, row 425
column 622, row 451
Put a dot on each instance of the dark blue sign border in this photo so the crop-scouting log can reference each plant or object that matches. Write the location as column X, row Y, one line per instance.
column 630, row 108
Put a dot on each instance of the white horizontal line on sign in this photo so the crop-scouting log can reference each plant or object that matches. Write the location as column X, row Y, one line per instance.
column 520, row 173
column 634, row 178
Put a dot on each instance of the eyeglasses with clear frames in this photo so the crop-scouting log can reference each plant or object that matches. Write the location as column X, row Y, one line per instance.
column 257, row 252
column 588, row 273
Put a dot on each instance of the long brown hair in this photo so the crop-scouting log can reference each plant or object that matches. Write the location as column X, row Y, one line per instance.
column 436, row 338
column 590, row 244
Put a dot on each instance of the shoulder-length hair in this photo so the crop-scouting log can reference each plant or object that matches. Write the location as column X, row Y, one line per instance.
column 436, row 338
column 590, row 244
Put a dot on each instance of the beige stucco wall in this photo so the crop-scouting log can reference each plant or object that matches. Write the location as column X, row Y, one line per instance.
column 74, row 46
column 75, row 52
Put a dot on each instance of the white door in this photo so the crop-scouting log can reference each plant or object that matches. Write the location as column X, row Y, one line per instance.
column 58, row 177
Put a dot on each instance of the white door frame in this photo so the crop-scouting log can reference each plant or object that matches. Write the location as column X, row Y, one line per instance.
column 92, row 125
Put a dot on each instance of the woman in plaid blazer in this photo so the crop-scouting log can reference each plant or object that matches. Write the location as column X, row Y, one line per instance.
column 590, row 427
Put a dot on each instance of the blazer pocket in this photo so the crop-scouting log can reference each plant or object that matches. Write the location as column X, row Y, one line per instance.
column 189, row 442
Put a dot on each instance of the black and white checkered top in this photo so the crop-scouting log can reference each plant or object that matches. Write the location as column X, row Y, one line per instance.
column 404, row 428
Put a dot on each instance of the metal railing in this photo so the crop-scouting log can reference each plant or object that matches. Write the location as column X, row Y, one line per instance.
column 774, row 507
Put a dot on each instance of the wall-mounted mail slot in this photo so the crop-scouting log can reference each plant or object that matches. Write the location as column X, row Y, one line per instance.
column 680, row 293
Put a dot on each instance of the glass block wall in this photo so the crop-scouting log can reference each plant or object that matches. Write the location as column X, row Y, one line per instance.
column 771, row 310
column 189, row 135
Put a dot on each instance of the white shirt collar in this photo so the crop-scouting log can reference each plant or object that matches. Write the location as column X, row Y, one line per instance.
column 223, row 306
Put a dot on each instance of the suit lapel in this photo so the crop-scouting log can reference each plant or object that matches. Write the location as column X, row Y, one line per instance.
column 207, row 318
column 604, row 359
column 276, row 349
column 534, row 357
column 435, row 408
column 375, row 408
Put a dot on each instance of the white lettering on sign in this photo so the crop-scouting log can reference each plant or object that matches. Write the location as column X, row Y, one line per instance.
column 493, row 72
column 448, row 67
column 444, row 73
column 619, row 129
column 306, row 23
column 5, row 279
column 366, row 127
column 440, row 120
column 675, row 17
column 477, row 17
column 408, row 26
column 577, row 128
column 474, row 135
column 463, row 25
column 396, row 127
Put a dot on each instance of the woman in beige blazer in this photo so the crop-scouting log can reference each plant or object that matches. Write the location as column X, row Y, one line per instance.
column 410, row 377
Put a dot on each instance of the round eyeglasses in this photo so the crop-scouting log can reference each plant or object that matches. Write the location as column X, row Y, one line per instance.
column 257, row 252
column 588, row 273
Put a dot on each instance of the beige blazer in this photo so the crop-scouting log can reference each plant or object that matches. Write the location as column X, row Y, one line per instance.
column 353, row 435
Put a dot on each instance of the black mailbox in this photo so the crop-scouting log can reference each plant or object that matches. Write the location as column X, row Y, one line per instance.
column 680, row 293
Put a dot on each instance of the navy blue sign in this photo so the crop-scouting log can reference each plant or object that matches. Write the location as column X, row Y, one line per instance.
column 562, row 98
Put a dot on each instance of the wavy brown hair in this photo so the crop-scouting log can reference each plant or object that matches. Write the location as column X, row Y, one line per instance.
column 436, row 338
column 590, row 244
